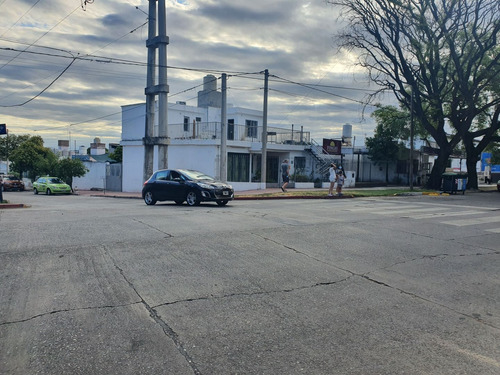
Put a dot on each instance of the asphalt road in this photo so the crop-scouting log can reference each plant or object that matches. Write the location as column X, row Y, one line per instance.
column 93, row 285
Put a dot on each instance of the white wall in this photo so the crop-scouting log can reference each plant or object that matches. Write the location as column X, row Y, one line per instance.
column 94, row 178
column 133, row 164
column 133, row 117
column 203, row 158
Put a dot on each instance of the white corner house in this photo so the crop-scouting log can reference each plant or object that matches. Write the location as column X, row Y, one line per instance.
column 195, row 142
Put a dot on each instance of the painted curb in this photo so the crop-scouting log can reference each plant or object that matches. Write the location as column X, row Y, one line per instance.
column 12, row 205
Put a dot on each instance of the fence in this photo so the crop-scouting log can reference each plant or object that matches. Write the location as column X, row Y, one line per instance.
column 249, row 133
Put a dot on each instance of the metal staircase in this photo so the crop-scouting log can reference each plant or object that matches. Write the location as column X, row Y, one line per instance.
column 323, row 160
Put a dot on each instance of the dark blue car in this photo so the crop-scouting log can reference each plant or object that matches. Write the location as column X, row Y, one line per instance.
column 184, row 185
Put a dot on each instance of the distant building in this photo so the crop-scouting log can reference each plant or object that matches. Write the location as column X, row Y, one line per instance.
column 97, row 148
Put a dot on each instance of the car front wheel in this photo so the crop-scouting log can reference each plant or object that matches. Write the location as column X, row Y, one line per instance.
column 48, row 192
column 192, row 198
column 149, row 198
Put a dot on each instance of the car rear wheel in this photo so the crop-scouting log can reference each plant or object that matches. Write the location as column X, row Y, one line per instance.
column 223, row 202
column 192, row 198
column 35, row 191
column 48, row 192
column 149, row 198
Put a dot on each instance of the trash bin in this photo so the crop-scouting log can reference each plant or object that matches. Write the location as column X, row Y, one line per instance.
column 454, row 182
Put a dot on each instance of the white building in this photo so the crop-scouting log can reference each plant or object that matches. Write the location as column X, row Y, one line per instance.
column 195, row 139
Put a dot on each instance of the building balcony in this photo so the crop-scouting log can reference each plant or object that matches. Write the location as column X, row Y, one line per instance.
column 245, row 133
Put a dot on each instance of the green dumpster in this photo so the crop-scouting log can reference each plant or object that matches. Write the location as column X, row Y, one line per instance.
column 454, row 182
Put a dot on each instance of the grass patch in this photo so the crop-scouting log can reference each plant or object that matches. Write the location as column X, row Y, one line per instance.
column 323, row 193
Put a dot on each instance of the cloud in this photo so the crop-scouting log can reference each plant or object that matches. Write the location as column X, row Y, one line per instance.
column 293, row 39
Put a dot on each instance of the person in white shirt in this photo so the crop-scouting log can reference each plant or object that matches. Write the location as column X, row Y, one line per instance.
column 332, row 178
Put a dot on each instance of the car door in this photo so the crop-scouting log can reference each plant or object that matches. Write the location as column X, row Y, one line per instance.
column 177, row 186
column 160, row 186
column 42, row 185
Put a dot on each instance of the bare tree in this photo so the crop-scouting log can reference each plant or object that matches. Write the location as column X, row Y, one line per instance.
column 445, row 51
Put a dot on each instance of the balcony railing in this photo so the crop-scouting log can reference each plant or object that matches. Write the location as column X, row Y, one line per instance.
column 212, row 130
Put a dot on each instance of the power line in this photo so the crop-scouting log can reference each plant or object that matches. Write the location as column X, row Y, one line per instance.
column 19, row 19
column 41, row 92
column 32, row 44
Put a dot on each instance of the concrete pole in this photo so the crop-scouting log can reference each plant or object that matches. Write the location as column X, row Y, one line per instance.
column 223, row 129
column 263, row 166
column 150, row 95
column 411, row 140
column 163, row 88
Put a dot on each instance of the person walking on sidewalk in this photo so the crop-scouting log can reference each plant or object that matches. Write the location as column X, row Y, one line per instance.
column 340, row 180
column 332, row 178
column 285, row 174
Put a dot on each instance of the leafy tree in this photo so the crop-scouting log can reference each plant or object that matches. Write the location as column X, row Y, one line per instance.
column 34, row 159
column 9, row 143
column 69, row 168
column 444, row 55
column 117, row 155
column 383, row 147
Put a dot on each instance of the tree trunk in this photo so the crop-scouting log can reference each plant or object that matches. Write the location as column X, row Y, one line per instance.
column 438, row 169
column 471, row 174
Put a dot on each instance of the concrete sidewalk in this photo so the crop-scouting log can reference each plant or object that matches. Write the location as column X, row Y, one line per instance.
column 246, row 194
column 275, row 193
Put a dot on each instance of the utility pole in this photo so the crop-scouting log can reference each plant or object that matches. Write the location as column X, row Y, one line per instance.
column 263, row 165
column 411, row 139
column 153, row 43
column 163, row 140
column 223, row 127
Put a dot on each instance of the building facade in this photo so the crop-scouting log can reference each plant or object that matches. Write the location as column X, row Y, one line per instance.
column 195, row 143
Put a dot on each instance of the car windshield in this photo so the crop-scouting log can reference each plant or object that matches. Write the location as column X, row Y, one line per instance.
column 195, row 175
column 55, row 181
column 10, row 178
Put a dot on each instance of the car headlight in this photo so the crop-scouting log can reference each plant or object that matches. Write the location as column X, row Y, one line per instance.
column 205, row 186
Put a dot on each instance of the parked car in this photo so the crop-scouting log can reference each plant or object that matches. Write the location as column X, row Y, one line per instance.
column 181, row 185
column 51, row 185
column 12, row 183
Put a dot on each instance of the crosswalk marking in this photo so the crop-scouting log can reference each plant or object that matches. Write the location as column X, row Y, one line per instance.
column 439, row 212
column 378, row 208
column 473, row 221
column 405, row 211
column 494, row 230
column 445, row 214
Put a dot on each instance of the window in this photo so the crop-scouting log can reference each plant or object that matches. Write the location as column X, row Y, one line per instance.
column 299, row 164
column 238, row 167
column 174, row 175
column 251, row 126
column 230, row 129
column 162, row 176
column 186, row 123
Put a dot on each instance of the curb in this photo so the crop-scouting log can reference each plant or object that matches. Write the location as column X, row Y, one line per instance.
column 12, row 205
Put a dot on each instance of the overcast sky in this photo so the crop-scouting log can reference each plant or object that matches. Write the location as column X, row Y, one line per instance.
column 294, row 39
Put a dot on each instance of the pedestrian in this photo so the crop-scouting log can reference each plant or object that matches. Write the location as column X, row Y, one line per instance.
column 340, row 180
column 285, row 175
column 332, row 178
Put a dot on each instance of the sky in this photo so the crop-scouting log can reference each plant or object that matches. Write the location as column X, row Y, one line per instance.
column 67, row 66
